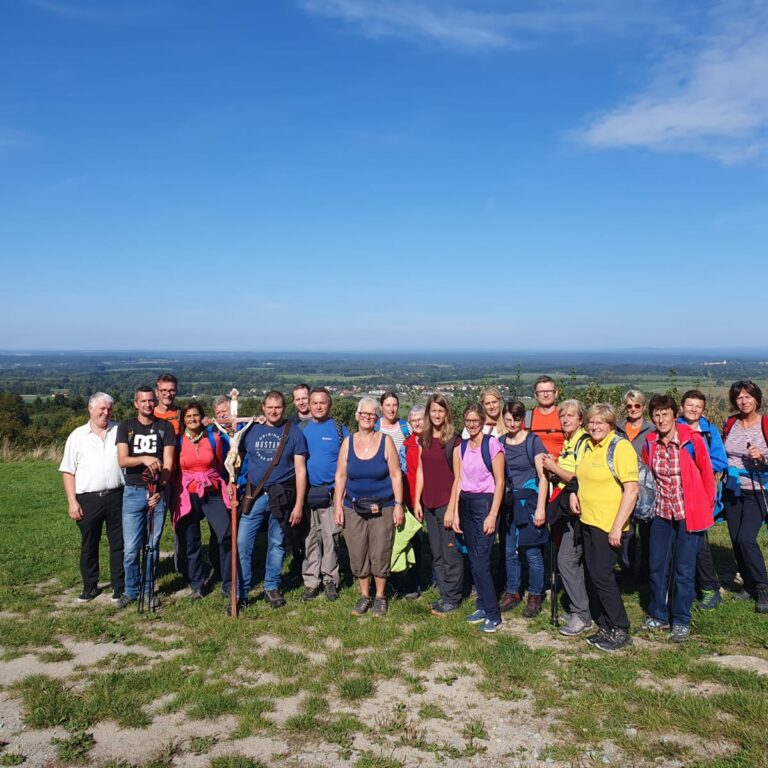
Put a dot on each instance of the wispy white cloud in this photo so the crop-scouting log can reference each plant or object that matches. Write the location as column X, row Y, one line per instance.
column 490, row 24
column 708, row 98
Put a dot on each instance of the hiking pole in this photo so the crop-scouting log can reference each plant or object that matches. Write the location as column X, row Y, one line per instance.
column 554, row 618
column 760, row 486
column 671, row 578
column 147, row 581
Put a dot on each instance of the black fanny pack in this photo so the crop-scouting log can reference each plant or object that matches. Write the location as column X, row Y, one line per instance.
column 367, row 507
column 319, row 496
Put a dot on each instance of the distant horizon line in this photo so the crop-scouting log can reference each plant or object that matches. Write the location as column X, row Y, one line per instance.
column 711, row 351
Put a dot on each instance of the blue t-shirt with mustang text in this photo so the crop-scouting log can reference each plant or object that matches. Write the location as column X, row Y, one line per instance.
column 261, row 442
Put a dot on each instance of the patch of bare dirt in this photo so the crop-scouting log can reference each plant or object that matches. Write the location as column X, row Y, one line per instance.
column 735, row 661
column 680, row 684
column 84, row 654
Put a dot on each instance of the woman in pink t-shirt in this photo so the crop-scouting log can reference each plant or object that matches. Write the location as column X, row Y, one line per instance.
column 478, row 490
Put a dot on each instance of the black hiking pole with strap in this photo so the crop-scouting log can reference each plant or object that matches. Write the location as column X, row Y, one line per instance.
column 554, row 617
column 671, row 577
column 755, row 475
column 147, row 579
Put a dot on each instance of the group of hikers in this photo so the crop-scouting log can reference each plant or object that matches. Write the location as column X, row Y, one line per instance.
column 605, row 495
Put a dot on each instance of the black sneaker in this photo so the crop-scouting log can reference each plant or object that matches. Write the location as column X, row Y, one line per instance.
column 595, row 638
column 331, row 592
column 614, row 640
column 310, row 593
column 88, row 594
column 274, row 598
column 116, row 595
column 761, row 606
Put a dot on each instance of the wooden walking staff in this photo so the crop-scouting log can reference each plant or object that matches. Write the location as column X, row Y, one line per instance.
column 232, row 465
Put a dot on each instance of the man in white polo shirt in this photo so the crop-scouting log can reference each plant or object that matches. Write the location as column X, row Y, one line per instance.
column 93, row 482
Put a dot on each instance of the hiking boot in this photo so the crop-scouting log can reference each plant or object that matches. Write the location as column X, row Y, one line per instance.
column 741, row 595
column 242, row 604
column 125, row 601
column 443, row 609
column 509, row 600
column 488, row 627
column 361, row 606
column 762, row 599
column 710, row 599
column 415, row 595
column 680, row 633
column 533, row 607
column 196, row 594
column 596, row 637
column 435, row 603
column 614, row 640
column 575, row 626
column 379, row 607
column 653, row 625
column 478, row 617
column 116, row 595
column 88, row 594
column 274, row 597
column 331, row 591
column 309, row 593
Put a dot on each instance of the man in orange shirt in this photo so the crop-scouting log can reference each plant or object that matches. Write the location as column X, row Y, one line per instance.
column 543, row 420
column 166, row 408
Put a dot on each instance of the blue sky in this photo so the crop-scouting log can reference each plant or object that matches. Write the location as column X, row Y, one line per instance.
column 382, row 174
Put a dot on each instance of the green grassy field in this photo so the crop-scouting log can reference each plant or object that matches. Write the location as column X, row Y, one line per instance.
column 311, row 685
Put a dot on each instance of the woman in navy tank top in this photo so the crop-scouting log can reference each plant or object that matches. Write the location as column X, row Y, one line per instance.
column 369, row 504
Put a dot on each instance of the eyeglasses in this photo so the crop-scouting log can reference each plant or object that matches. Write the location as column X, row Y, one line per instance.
column 545, row 391
column 634, row 407
column 595, row 424
column 366, row 415
column 472, row 422
column 167, row 391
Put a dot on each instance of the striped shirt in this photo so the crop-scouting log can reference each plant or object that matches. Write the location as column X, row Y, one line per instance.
column 669, row 482
column 738, row 453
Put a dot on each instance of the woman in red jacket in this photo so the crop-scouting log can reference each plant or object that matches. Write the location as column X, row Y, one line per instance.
column 685, row 497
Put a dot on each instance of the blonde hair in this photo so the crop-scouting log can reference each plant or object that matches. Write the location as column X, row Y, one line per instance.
column 604, row 412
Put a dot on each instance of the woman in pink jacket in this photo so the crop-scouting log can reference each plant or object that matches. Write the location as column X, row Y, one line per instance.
column 200, row 491
column 685, row 497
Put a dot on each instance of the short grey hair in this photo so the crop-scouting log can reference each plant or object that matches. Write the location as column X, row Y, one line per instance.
column 368, row 402
column 220, row 400
column 635, row 395
column 416, row 410
column 98, row 397
column 573, row 405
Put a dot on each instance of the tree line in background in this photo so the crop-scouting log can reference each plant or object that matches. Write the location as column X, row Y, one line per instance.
column 47, row 421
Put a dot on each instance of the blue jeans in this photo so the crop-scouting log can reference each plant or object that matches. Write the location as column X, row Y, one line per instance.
column 135, row 531
column 535, row 558
column 666, row 534
column 473, row 509
column 248, row 527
